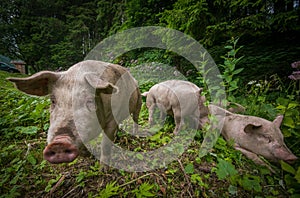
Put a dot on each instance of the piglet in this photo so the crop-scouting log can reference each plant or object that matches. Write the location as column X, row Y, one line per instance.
column 181, row 99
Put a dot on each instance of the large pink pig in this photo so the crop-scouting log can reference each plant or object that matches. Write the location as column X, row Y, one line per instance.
column 86, row 89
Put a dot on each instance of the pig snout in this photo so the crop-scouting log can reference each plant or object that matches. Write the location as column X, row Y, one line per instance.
column 60, row 152
column 283, row 153
column 290, row 158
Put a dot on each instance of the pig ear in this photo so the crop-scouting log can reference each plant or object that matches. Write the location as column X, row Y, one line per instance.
column 37, row 84
column 218, row 110
column 145, row 93
column 199, row 91
column 278, row 120
column 252, row 128
column 100, row 84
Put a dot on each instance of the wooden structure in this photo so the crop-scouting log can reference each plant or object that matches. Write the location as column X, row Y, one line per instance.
column 20, row 65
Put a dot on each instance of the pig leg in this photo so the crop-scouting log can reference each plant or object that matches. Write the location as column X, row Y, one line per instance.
column 162, row 116
column 151, row 112
column 162, row 113
column 135, row 117
column 254, row 158
column 107, row 140
column 178, row 121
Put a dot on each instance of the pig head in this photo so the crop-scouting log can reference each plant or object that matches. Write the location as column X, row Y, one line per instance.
column 254, row 136
column 181, row 99
column 88, row 97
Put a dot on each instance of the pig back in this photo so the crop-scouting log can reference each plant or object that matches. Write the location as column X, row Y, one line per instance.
column 177, row 95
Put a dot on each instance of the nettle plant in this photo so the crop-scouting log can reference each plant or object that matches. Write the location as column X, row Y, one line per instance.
column 229, row 71
column 230, row 80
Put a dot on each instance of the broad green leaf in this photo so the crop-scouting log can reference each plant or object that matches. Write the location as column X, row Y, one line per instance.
column 286, row 131
column 250, row 182
column 189, row 169
column 289, row 122
column 225, row 169
column 155, row 137
column 281, row 107
column 286, row 167
column 292, row 105
column 228, row 47
column 237, row 71
column 282, row 101
column 231, row 52
column 31, row 159
column 228, row 78
column 297, row 176
column 195, row 178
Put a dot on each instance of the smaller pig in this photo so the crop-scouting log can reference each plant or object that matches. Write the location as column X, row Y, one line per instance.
column 181, row 99
column 254, row 136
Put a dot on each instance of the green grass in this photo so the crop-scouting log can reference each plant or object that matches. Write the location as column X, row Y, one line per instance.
column 5, row 83
column 223, row 172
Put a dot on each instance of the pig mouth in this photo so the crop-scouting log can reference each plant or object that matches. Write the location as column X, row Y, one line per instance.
column 291, row 160
column 284, row 154
column 60, row 152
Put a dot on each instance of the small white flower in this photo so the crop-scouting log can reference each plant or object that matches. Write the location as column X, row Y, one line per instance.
column 258, row 85
column 251, row 82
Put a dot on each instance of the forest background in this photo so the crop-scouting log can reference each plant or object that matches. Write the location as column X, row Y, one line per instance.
column 53, row 34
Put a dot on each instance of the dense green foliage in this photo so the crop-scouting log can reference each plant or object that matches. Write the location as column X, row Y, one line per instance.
column 52, row 35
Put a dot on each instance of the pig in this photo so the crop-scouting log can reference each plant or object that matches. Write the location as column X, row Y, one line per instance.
column 88, row 96
column 254, row 136
column 181, row 99
column 230, row 106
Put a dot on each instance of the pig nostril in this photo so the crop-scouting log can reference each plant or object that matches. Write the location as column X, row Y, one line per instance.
column 50, row 153
column 68, row 151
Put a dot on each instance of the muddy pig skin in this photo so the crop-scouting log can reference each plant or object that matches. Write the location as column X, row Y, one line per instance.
column 181, row 99
column 84, row 90
column 254, row 136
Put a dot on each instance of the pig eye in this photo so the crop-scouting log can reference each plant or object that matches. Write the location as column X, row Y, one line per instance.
column 91, row 106
column 53, row 101
column 267, row 138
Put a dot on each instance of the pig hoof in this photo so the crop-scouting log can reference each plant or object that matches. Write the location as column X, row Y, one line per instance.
column 60, row 152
